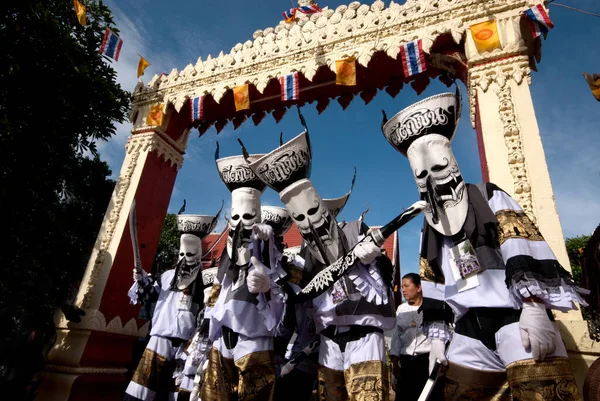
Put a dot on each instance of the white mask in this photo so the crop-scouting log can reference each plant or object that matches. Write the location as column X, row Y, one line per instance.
column 431, row 158
column 190, row 249
column 245, row 212
column 313, row 219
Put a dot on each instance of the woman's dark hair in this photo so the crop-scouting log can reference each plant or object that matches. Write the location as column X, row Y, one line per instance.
column 414, row 277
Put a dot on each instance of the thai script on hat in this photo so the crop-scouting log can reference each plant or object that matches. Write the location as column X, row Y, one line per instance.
column 238, row 174
column 284, row 166
column 416, row 122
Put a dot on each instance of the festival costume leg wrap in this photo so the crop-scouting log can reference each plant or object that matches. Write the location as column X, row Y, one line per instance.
column 478, row 373
column 155, row 371
column 357, row 372
column 247, row 369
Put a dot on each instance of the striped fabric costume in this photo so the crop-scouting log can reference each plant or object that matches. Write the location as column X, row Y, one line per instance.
column 489, row 278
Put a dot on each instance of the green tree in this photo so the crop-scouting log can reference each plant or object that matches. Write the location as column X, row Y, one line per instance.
column 168, row 245
column 57, row 97
column 574, row 244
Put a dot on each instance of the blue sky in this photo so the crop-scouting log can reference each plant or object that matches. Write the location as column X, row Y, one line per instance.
column 175, row 33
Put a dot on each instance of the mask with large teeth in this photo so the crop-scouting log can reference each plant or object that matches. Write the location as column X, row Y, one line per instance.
column 435, row 170
column 313, row 219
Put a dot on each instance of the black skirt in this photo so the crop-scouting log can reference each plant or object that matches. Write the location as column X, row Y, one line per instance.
column 414, row 371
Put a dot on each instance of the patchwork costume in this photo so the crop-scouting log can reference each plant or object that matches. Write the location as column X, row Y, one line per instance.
column 486, row 269
column 245, row 305
column 351, row 315
column 179, row 295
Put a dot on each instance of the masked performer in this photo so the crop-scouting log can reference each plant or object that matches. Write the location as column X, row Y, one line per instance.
column 179, row 296
column 350, row 317
column 249, row 305
column 486, row 267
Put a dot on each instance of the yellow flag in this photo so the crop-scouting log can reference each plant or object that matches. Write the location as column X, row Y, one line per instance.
column 80, row 11
column 142, row 65
column 345, row 72
column 485, row 36
column 241, row 96
column 594, row 84
column 155, row 116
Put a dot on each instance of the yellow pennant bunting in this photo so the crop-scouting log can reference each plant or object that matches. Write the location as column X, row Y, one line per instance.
column 142, row 65
column 485, row 36
column 345, row 72
column 241, row 96
column 80, row 11
column 155, row 116
column 594, row 84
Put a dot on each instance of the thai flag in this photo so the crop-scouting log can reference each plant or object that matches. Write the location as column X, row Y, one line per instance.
column 111, row 45
column 538, row 20
column 413, row 58
column 197, row 104
column 290, row 90
column 289, row 15
column 310, row 9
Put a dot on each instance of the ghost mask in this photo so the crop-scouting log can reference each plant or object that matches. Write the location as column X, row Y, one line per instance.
column 423, row 132
column 313, row 219
column 245, row 212
column 190, row 253
column 438, row 177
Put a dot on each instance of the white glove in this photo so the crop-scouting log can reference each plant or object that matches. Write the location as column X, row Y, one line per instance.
column 138, row 276
column 437, row 351
column 258, row 280
column 366, row 252
column 262, row 231
column 537, row 331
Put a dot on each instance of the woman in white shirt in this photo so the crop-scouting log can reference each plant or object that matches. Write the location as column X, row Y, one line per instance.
column 409, row 350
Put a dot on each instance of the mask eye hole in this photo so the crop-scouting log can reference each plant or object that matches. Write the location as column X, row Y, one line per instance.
column 422, row 174
column 181, row 254
column 190, row 254
column 312, row 211
column 248, row 216
column 235, row 217
column 299, row 217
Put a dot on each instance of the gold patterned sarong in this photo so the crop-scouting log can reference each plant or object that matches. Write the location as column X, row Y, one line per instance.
column 466, row 384
column 549, row 380
column 362, row 381
column 155, row 372
column 252, row 377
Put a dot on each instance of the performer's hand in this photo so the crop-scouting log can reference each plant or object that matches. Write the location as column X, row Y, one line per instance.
column 138, row 276
column 537, row 331
column 258, row 280
column 438, row 351
column 262, row 231
column 367, row 252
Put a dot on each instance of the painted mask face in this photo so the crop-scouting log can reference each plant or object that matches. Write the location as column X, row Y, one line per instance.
column 190, row 255
column 314, row 220
column 439, row 182
column 245, row 212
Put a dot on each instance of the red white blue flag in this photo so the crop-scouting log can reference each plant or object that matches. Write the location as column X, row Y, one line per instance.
column 413, row 58
column 289, row 15
column 310, row 9
column 538, row 20
column 197, row 104
column 111, row 45
column 290, row 90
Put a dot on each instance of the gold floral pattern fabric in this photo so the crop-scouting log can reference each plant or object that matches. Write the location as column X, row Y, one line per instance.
column 256, row 376
column 549, row 380
column 251, row 377
column 215, row 291
column 516, row 224
column 220, row 381
column 466, row 384
column 331, row 385
column 426, row 272
column 367, row 381
column 154, row 372
column 295, row 275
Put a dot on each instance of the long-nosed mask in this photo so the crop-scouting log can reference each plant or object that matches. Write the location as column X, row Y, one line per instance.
column 245, row 212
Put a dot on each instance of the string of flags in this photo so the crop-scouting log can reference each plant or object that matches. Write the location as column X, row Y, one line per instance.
column 290, row 15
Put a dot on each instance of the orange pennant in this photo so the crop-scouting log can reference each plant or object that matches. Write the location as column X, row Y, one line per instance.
column 485, row 36
column 345, row 72
column 80, row 11
column 155, row 116
column 241, row 97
